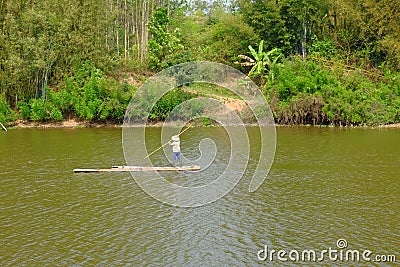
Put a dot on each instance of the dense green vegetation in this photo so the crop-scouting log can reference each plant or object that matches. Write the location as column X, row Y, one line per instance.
column 318, row 61
column 305, row 92
column 89, row 95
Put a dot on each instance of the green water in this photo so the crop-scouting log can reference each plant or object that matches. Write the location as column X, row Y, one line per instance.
column 325, row 184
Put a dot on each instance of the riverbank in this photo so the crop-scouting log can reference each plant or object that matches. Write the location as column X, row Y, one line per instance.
column 396, row 125
column 73, row 123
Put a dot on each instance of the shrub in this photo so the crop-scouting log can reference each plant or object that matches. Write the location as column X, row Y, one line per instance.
column 24, row 110
column 39, row 110
column 304, row 92
column 6, row 113
column 168, row 102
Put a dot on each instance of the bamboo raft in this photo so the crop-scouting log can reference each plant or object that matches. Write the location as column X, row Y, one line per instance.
column 140, row 169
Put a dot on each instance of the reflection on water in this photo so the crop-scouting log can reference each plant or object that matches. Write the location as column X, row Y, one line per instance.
column 325, row 184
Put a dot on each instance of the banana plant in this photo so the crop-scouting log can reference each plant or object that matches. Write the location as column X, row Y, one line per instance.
column 261, row 61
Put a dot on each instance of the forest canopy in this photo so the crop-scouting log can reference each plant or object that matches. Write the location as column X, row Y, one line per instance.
column 320, row 61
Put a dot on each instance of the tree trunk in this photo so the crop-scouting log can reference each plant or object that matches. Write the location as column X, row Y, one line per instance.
column 126, row 29
column 116, row 30
column 304, row 40
column 144, row 31
column 137, row 33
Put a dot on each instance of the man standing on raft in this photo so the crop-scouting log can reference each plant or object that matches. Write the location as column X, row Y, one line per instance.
column 176, row 148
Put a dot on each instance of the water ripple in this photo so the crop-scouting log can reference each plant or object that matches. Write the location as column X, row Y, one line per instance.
column 323, row 186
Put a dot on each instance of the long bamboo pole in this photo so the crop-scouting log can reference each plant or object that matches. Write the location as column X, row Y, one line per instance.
column 5, row 129
column 165, row 144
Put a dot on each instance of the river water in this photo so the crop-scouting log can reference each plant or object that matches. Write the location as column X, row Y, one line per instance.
column 325, row 184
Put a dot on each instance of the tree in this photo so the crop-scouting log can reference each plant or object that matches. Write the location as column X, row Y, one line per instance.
column 265, row 19
column 162, row 42
column 226, row 36
column 286, row 24
column 303, row 19
column 367, row 31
